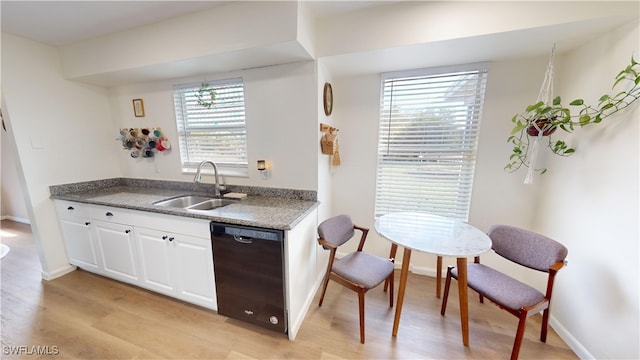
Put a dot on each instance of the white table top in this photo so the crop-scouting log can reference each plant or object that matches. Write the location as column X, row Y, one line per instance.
column 433, row 234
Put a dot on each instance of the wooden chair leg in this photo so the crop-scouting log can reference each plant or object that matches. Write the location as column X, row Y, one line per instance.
column 327, row 276
column 438, row 275
column 445, row 296
column 390, row 279
column 324, row 288
column 545, row 325
column 476, row 259
column 361, row 309
column 519, row 335
column 392, row 255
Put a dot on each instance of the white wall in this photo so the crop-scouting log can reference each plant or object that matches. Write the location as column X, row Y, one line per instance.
column 62, row 132
column 281, row 124
column 325, row 168
column 12, row 198
column 589, row 202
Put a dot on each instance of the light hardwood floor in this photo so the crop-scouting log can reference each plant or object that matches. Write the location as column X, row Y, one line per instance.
column 85, row 316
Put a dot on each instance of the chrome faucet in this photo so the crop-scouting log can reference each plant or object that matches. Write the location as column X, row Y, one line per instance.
column 198, row 178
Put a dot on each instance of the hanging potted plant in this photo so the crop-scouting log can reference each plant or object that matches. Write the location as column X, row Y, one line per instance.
column 542, row 119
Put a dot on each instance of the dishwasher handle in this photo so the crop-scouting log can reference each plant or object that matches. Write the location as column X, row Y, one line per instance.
column 243, row 239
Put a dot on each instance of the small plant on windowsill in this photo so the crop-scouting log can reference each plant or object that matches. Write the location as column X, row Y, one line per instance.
column 547, row 118
column 206, row 96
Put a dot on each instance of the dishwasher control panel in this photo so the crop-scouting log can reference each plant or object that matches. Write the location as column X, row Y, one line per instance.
column 250, row 233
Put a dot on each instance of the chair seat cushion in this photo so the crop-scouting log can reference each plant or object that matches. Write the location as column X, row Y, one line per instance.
column 364, row 269
column 499, row 287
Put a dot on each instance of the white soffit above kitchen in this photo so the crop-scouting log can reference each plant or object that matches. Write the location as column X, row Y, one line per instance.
column 235, row 36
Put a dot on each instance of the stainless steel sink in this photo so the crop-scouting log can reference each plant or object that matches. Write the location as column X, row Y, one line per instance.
column 182, row 201
column 194, row 202
column 211, row 204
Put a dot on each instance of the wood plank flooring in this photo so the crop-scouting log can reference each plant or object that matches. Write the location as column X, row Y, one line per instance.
column 85, row 316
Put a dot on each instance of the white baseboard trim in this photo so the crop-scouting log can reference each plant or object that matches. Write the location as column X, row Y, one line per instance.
column 569, row 339
column 58, row 273
column 422, row 270
column 16, row 219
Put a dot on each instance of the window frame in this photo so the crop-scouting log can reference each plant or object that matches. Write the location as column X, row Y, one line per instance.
column 191, row 118
column 392, row 166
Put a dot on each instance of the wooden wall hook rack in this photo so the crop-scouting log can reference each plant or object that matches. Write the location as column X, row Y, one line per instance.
column 327, row 129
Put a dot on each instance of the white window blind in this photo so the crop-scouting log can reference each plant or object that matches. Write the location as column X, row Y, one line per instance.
column 218, row 133
column 429, row 127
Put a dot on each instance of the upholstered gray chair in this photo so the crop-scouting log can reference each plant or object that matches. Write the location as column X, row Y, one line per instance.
column 528, row 249
column 358, row 270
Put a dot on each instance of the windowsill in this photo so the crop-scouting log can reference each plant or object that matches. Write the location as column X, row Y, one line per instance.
column 237, row 173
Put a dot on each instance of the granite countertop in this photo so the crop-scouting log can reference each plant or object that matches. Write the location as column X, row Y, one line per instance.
column 263, row 207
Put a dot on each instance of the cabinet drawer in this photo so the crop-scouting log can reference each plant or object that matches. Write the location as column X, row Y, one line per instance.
column 73, row 210
column 111, row 214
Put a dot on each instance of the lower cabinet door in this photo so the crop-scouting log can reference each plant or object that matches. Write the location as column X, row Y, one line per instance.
column 193, row 259
column 177, row 265
column 155, row 251
column 118, row 250
column 79, row 243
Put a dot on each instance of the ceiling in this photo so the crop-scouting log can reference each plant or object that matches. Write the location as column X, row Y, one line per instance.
column 63, row 22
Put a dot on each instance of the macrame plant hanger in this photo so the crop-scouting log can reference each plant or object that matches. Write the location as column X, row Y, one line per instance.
column 545, row 94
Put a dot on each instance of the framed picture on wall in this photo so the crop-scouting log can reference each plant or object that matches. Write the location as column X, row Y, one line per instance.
column 138, row 108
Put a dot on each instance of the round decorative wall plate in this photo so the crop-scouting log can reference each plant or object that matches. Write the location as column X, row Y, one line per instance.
column 328, row 99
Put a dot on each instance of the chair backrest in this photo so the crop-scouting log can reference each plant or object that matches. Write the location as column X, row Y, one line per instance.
column 336, row 230
column 526, row 248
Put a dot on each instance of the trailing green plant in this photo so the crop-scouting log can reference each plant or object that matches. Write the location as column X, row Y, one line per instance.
column 206, row 96
column 550, row 117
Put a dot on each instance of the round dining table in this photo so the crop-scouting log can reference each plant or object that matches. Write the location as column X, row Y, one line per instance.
column 438, row 235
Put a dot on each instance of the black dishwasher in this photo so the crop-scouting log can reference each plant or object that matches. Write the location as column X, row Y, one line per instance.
column 249, row 273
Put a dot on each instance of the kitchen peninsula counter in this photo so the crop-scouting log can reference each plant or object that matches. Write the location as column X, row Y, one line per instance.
column 263, row 207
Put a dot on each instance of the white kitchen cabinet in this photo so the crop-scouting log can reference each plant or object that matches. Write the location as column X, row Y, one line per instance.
column 79, row 243
column 177, row 265
column 154, row 251
column 193, row 266
column 303, row 273
column 116, row 246
column 125, row 245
